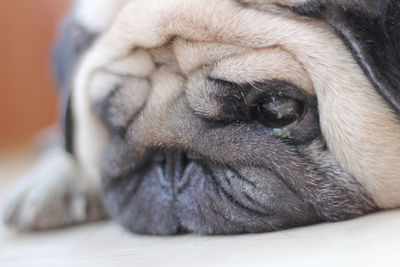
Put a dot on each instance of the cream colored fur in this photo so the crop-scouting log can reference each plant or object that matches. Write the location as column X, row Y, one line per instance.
column 262, row 65
column 364, row 138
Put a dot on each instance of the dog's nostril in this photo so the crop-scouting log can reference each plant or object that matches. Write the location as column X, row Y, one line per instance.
column 159, row 156
column 193, row 156
column 184, row 160
column 174, row 156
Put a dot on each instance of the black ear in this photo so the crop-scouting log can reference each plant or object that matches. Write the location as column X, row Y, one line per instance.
column 72, row 42
column 371, row 30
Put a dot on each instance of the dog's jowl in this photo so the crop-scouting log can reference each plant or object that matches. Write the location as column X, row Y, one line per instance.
column 221, row 117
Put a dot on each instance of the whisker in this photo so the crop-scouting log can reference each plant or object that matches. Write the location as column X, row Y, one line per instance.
column 255, row 87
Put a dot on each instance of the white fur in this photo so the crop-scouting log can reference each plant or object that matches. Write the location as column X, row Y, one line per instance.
column 97, row 15
column 53, row 195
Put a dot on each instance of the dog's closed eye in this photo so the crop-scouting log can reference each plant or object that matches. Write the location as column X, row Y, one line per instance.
column 281, row 108
column 278, row 112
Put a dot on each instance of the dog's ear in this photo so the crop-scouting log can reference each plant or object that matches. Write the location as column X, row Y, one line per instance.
column 72, row 42
column 371, row 30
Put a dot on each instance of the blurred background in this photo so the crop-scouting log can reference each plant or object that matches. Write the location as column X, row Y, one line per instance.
column 28, row 93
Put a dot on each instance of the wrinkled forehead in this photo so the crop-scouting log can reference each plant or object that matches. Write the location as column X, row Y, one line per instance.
column 228, row 37
column 97, row 15
column 229, row 62
column 246, row 40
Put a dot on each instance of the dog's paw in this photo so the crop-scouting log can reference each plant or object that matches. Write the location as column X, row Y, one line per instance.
column 53, row 195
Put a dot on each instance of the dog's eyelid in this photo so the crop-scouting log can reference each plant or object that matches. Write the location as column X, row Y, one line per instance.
column 224, row 82
column 259, row 89
column 224, row 101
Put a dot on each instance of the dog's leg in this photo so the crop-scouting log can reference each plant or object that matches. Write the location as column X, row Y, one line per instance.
column 63, row 188
column 53, row 194
column 57, row 191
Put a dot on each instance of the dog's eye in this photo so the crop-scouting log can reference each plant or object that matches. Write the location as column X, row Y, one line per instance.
column 278, row 112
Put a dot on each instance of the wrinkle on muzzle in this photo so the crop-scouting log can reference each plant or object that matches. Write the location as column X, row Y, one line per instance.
column 176, row 192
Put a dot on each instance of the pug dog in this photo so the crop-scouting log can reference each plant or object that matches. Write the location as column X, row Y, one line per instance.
column 221, row 116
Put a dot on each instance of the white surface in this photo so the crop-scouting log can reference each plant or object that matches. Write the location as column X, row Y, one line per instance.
column 369, row 241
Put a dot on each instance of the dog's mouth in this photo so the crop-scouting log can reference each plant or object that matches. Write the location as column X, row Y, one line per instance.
column 176, row 192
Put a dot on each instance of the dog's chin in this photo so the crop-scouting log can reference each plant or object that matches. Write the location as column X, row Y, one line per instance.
column 174, row 192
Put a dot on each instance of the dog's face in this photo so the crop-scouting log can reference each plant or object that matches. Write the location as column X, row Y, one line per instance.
column 245, row 116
